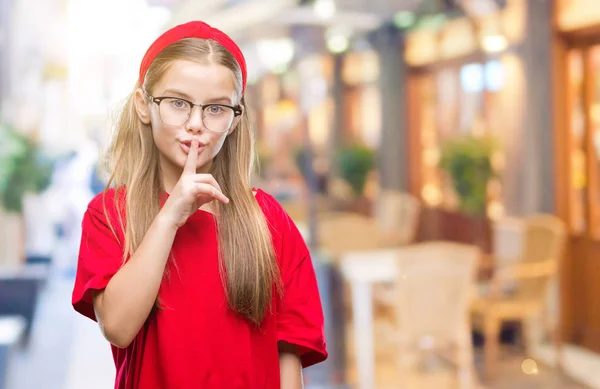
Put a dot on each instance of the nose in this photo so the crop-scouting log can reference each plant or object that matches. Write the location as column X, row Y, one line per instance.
column 195, row 123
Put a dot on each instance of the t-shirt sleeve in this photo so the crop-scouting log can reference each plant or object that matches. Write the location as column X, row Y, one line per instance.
column 300, row 316
column 100, row 257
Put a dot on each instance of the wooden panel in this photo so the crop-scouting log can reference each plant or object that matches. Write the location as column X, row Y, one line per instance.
column 592, row 65
column 353, row 113
column 580, row 269
column 563, row 195
column 584, row 298
column 561, row 130
column 348, row 98
column 441, row 224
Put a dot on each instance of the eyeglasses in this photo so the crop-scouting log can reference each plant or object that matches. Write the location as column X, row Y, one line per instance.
column 175, row 111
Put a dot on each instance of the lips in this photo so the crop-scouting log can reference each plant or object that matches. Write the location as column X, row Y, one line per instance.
column 186, row 145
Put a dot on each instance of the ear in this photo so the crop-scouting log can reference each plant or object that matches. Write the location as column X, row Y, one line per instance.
column 142, row 106
column 236, row 121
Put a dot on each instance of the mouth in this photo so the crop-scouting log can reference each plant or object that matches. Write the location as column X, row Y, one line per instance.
column 186, row 145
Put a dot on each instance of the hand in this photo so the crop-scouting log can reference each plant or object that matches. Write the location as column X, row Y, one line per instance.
column 191, row 191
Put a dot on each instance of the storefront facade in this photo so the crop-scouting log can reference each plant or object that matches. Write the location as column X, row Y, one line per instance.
column 466, row 77
column 577, row 130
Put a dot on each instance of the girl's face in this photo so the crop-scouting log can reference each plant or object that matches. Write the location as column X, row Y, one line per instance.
column 196, row 83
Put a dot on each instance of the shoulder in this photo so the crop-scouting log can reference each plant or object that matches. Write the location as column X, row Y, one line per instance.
column 109, row 203
column 268, row 203
column 287, row 238
column 274, row 213
column 104, row 220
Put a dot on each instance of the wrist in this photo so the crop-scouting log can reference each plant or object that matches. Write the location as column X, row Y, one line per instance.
column 164, row 222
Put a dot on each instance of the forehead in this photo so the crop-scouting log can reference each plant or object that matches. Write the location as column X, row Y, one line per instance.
column 200, row 81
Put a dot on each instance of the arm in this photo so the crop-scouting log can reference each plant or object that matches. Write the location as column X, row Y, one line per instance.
column 124, row 305
column 290, row 367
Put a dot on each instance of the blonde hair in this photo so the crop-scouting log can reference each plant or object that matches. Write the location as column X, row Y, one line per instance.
column 248, row 266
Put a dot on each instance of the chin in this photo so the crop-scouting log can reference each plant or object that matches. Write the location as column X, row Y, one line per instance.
column 175, row 161
column 179, row 160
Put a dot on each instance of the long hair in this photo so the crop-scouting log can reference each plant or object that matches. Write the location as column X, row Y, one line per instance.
column 248, row 266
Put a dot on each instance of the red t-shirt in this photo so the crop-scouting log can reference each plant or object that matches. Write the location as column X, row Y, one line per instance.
column 196, row 341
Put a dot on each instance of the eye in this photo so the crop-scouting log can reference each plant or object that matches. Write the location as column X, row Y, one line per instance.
column 176, row 103
column 215, row 109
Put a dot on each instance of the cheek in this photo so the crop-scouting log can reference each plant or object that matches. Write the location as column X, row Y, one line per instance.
column 217, row 144
column 163, row 135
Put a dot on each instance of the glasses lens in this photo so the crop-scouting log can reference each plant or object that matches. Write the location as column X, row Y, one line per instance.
column 217, row 118
column 174, row 112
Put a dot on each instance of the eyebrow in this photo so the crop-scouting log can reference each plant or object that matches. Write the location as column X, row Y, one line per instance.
column 176, row 92
column 188, row 97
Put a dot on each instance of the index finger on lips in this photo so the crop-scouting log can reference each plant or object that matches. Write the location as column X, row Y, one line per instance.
column 192, row 158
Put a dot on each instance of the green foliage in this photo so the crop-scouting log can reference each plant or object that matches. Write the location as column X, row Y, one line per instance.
column 467, row 160
column 355, row 162
column 23, row 168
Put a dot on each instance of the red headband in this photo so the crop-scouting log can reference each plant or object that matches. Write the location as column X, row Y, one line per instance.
column 195, row 29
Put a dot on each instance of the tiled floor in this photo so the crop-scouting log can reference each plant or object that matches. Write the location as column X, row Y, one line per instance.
column 511, row 374
column 68, row 352
column 510, row 377
column 579, row 362
column 43, row 364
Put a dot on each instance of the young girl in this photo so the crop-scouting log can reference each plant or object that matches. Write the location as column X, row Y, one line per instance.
column 197, row 280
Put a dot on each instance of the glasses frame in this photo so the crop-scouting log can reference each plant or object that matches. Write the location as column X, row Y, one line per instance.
column 237, row 110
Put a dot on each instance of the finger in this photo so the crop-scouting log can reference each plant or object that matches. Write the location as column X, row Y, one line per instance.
column 207, row 179
column 203, row 189
column 192, row 158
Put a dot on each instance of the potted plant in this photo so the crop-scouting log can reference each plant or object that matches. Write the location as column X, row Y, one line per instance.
column 24, row 169
column 468, row 162
column 355, row 162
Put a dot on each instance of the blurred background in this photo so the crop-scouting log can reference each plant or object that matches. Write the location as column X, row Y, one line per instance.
column 441, row 158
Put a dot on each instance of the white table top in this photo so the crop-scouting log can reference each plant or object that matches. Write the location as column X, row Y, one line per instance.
column 370, row 266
